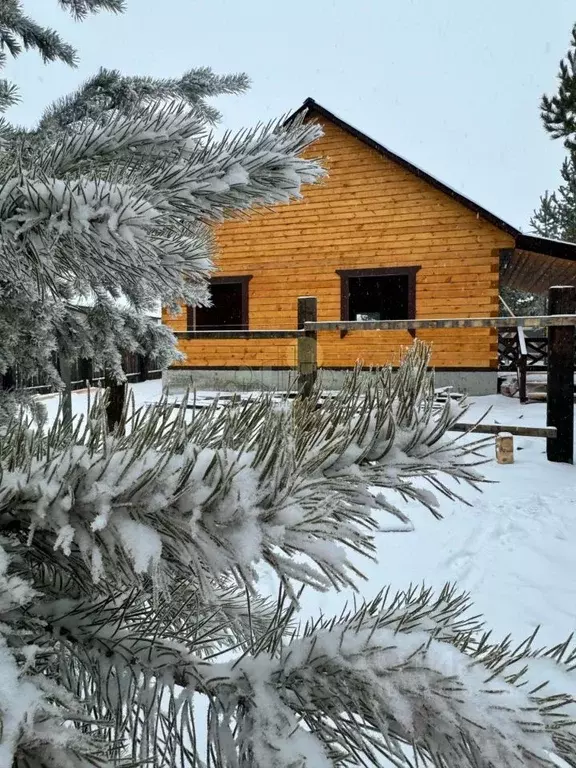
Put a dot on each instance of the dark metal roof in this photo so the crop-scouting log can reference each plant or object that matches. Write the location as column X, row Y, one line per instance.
column 526, row 243
column 560, row 249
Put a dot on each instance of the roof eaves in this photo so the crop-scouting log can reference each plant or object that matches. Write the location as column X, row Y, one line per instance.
column 559, row 249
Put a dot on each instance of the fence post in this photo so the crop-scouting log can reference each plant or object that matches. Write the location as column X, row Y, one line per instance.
column 522, row 364
column 65, row 370
column 143, row 367
column 115, row 405
column 560, row 384
column 307, row 346
column 85, row 370
column 8, row 380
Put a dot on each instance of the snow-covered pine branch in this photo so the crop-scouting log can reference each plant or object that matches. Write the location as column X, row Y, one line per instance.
column 110, row 90
column 99, row 530
column 377, row 687
column 144, row 211
column 81, row 8
column 250, row 483
column 101, row 330
column 410, row 673
column 168, row 132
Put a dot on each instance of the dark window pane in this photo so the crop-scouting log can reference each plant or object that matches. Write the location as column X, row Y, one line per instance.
column 382, row 298
column 226, row 310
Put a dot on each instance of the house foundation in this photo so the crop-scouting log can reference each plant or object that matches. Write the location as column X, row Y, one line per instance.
column 253, row 379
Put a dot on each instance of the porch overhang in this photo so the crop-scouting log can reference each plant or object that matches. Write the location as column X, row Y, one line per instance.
column 536, row 263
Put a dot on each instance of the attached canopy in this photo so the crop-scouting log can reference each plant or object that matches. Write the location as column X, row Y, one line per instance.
column 536, row 263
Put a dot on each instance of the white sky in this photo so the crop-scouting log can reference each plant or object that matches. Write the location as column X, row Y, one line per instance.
column 452, row 86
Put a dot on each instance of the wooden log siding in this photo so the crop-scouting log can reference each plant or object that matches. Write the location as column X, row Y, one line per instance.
column 370, row 213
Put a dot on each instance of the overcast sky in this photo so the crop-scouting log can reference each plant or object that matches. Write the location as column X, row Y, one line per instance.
column 452, row 86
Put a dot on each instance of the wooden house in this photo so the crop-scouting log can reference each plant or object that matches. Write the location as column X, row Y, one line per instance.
column 378, row 239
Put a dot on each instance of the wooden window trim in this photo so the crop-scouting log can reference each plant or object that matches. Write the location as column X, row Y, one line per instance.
column 219, row 280
column 346, row 274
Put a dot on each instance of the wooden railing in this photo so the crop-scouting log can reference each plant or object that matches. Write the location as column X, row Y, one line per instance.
column 536, row 352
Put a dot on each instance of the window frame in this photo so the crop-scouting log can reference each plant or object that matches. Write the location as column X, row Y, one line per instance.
column 245, row 296
column 346, row 274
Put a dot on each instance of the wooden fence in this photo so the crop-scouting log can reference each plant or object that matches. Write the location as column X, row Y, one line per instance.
column 136, row 368
column 559, row 358
column 509, row 352
column 559, row 352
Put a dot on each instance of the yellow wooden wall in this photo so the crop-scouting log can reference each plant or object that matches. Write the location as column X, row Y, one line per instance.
column 369, row 213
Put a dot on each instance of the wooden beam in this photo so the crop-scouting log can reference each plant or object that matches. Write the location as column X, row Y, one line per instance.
column 495, row 429
column 522, row 362
column 189, row 335
column 85, row 370
column 560, row 384
column 467, row 322
column 386, row 325
column 143, row 367
column 307, row 346
column 66, row 376
column 115, row 405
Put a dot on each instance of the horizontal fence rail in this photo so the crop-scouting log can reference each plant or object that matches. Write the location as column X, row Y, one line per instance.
column 386, row 325
column 467, row 322
column 258, row 334
column 512, row 323
column 495, row 429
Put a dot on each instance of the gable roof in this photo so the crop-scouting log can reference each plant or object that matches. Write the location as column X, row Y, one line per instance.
column 529, row 243
column 310, row 106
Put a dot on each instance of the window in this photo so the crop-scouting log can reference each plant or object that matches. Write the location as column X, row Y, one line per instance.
column 229, row 310
column 378, row 294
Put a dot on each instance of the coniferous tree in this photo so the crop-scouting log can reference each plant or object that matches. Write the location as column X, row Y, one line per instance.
column 559, row 110
column 18, row 32
column 129, row 561
column 556, row 215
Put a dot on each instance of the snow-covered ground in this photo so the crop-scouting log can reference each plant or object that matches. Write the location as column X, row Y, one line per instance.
column 513, row 549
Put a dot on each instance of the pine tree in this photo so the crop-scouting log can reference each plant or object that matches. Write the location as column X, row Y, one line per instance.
column 129, row 561
column 556, row 215
column 559, row 111
column 19, row 32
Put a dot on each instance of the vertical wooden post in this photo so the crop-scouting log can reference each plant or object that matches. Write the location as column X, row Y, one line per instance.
column 143, row 367
column 8, row 379
column 85, row 370
column 560, row 384
column 522, row 363
column 65, row 370
column 307, row 346
column 116, row 399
